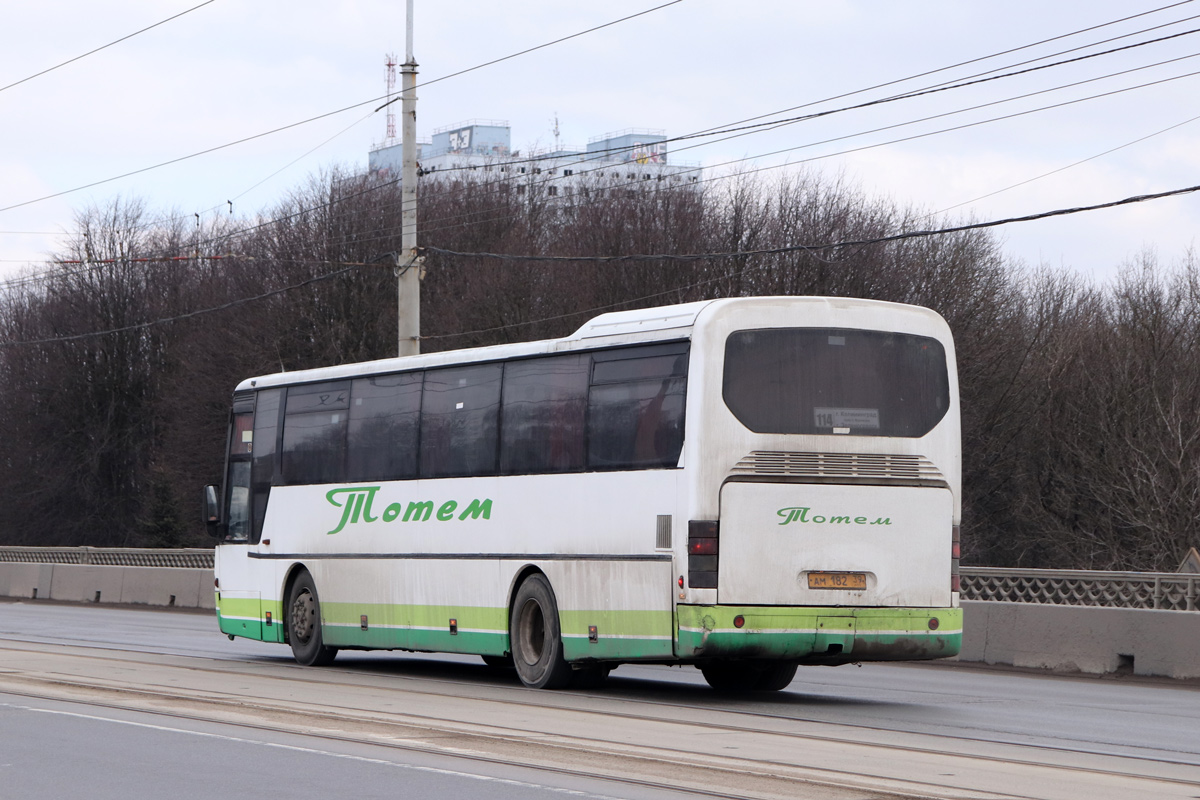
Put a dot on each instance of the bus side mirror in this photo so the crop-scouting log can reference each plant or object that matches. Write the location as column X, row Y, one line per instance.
column 212, row 511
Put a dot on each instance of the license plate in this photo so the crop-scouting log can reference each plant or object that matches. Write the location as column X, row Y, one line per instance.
column 837, row 580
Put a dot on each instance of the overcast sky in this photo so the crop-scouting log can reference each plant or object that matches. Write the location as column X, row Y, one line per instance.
column 236, row 68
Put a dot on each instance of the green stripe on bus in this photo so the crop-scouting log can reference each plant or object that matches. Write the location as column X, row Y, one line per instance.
column 611, row 622
column 619, row 634
column 473, row 617
column 434, row 641
column 623, row 634
column 866, row 634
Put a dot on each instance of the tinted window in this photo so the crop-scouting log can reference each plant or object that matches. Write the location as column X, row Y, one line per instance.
column 314, row 433
column 835, row 381
column 242, row 437
column 266, row 426
column 460, row 414
column 545, row 406
column 237, row 487
column 635, row 408
column 238, row 521
column 385, row 425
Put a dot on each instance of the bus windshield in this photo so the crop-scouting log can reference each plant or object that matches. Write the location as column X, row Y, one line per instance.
column 835, row 381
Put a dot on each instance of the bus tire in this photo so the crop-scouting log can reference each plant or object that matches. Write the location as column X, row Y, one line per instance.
column 304, row 624
column 776, row 677
column 536, row 638
column 731, row 676
column 589, row 677
column 499, row 662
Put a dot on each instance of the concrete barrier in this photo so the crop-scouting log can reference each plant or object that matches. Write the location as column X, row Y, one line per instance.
column 81, row 583
column 1083, row 638
column 179, row 587
column 157, row 586
column 25, row 580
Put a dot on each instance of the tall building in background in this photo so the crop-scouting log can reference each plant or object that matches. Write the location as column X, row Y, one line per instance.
column 483, row 149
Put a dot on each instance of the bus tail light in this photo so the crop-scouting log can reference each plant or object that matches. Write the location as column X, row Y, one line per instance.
column 955, row 555
column 704, row 547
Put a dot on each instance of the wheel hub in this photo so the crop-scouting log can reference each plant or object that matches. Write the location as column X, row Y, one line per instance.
column 302, row 617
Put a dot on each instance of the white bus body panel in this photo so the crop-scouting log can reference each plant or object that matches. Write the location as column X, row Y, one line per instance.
column 611, row 513
column 773, row 535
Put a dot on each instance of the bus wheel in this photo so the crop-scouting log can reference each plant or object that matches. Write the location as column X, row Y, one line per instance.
column 589, row 677
column 304, row 624
column 732, row 676
column 776, row 676
column 748, row 676
column 535, row 638
column 498, row 662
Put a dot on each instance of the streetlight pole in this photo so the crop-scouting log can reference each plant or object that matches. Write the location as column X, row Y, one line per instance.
column 408, row 264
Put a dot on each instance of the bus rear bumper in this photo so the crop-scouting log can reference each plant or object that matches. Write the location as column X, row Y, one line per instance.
column 817, row 635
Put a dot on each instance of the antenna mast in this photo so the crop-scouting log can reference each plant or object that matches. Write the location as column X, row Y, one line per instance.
column 391, row 91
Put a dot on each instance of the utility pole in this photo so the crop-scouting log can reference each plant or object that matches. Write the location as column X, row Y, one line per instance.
column 408, row 264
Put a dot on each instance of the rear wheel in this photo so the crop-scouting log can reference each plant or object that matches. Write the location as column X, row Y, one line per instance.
column 304, row 624
column 776, row 676
column 749, row 676
column 498, row 662
column 730, row 676
column 535, row 637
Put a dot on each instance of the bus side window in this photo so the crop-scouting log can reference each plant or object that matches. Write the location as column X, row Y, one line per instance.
column 385, row 425
column 314, row 433
column 545, row 406
column 460, row 419
column 635, row 408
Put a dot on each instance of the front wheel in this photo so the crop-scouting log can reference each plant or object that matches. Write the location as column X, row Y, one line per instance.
column 304, row 624
column 535, row 636
column 589, row 677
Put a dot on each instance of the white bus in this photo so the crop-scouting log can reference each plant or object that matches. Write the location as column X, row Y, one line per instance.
column 745, row 485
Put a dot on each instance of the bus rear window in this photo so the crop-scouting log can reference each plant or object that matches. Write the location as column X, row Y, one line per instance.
column 835, row 381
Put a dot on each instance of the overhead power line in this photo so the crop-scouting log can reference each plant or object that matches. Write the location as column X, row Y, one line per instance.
column 714, row 131
column 1061, row 212
column 948, row 87
column 433, row 225
column 972, row 80
column 370, row 189
column 538, row 47
column 1067, row 167
column 727, row 127
column 105, row 47
column 326, row 115
column 602, row 156
column 980, row 59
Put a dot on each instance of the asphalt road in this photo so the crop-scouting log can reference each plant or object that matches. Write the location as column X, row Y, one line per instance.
column 56, row 750
column 1078, row 723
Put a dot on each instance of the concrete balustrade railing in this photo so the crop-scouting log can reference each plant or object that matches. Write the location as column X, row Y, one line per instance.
column 193, row 557
column 1072, row 587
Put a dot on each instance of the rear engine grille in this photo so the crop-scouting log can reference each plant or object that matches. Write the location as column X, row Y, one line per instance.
column 873, row 468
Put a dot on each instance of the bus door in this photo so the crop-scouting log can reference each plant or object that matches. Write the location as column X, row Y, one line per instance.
column 249, row 472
